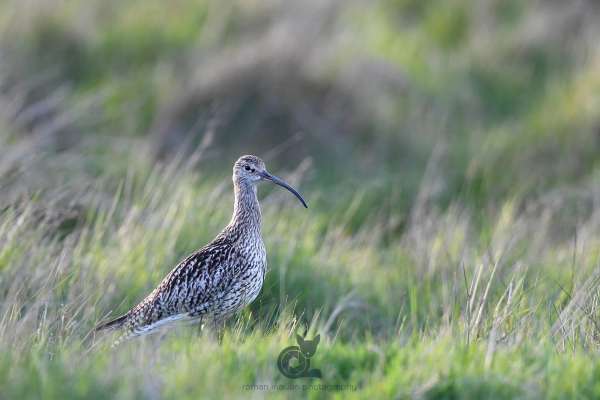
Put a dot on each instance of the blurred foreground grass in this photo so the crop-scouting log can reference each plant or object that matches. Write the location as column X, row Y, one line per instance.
column 449, row 151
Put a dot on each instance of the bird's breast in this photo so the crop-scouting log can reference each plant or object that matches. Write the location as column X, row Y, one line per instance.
column 254, row 269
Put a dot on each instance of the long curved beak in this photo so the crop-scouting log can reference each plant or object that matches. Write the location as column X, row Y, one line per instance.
column 282, row 183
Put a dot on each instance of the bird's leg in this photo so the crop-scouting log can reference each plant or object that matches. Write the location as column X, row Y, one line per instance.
column 217, row 329
column 200, row 322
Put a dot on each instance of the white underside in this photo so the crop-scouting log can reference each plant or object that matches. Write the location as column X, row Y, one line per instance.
column 179, row 318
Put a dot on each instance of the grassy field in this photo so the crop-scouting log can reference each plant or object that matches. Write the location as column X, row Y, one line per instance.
column 449, row 152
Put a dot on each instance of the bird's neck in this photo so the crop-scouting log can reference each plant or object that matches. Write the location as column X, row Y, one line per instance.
column 246, row 210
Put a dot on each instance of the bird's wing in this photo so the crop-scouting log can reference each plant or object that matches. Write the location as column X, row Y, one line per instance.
column 188, row 289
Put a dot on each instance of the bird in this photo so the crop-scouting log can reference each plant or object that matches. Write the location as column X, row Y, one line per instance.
column 219, row 279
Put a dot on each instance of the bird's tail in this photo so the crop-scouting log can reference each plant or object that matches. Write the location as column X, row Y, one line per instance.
column 113, row 324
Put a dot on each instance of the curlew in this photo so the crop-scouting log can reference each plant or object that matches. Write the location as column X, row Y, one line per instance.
column 219, row 279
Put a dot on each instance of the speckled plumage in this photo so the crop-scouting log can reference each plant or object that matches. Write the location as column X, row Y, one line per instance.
column 220, row 278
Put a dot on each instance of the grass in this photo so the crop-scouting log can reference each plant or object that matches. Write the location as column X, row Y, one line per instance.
column 448, row 151
column 448, row 309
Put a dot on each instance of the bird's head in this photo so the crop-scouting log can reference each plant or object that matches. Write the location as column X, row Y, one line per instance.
column 251, row 170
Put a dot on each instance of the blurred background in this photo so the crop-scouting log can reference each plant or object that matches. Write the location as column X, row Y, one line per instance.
column 498, row 98
column 449, row 151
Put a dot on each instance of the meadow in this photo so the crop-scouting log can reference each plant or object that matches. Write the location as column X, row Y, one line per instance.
column 449, row 152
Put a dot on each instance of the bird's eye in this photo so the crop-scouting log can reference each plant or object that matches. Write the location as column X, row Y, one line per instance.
column 247, row 168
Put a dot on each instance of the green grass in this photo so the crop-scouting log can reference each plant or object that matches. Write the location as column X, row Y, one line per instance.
column 446, row 310
column 448, row 151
